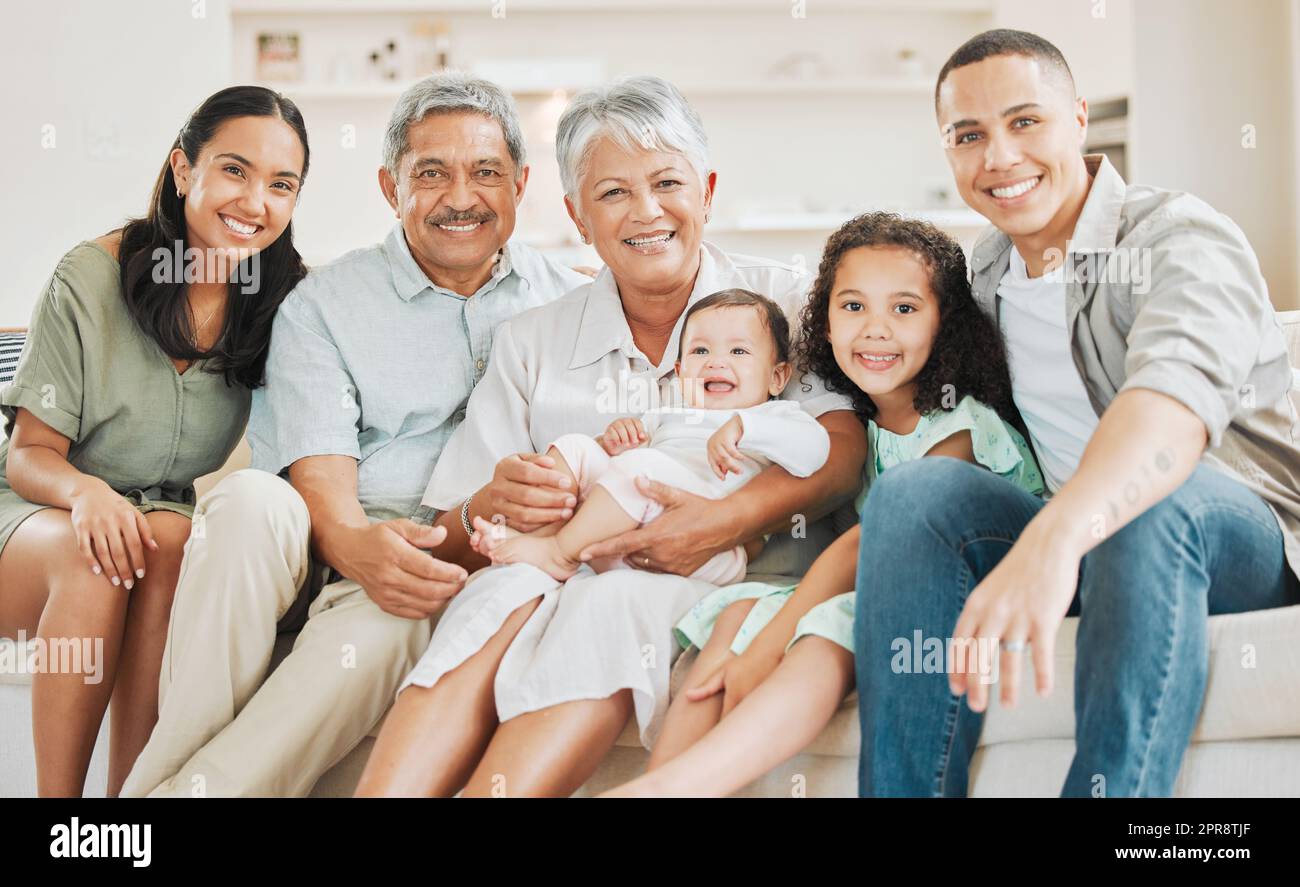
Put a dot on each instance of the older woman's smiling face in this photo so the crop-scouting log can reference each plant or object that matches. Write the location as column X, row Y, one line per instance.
column 645, row 211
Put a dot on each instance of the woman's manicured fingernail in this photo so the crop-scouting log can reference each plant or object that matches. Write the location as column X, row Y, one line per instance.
column 96, row 570
column 130, row 584
column 139, row 574
column 116, row 581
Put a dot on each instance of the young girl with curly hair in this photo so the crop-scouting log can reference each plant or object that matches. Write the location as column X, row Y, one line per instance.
column 891, row 323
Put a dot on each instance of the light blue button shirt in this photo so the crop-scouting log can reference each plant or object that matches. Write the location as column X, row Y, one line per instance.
column 371, row 360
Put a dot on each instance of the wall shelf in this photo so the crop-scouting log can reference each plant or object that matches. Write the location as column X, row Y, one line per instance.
column 769, row 87
column 484, row 7
column 391, row 89
column 784, row 223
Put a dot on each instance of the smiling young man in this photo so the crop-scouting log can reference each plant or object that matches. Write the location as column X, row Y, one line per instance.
column 371, row 363
column 1154, row 381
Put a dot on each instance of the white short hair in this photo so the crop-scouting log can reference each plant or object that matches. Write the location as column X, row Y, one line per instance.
column 449, row 93
column 645, row 113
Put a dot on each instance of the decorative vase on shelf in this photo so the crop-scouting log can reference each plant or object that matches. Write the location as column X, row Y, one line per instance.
column 433, row 47
column 392, row 65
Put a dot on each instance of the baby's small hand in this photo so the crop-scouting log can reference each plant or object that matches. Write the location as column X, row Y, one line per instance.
column 724, row 452
column 623, row 435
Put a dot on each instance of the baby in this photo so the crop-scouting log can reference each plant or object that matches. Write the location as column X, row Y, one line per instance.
column 734, row 360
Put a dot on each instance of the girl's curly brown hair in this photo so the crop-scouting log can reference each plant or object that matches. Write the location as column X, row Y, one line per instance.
column 968, row 352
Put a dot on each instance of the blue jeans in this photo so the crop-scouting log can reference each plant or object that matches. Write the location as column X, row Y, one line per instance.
column 933, row 528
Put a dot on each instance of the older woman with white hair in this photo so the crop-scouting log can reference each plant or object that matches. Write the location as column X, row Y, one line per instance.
column 527, row 681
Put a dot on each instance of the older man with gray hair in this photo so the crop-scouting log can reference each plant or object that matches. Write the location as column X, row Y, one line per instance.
column 372, row 360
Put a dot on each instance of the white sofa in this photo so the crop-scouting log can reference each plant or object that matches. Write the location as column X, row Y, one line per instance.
column 1247, row 742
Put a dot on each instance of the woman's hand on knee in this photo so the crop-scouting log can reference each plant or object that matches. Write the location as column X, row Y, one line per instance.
column 111, row 533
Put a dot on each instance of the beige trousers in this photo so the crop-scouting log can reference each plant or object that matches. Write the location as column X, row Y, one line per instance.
column 226, row 728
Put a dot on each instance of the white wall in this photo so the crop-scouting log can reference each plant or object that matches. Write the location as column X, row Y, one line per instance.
column 115, row 81
column 1095, row 36
column 785, row 152
column 111, row 84
column 1205, row 70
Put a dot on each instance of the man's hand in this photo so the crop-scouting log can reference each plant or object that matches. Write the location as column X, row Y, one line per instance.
column 723, row 448
column 389, row 561
column 623, row 435
column 736, row 678
column 1023, row 600
column 528, row 492
column 1145, row 446
column 691, row 530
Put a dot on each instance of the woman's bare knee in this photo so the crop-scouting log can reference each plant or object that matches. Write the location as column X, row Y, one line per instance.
column 171, row 531
column 44, row 576
column 157, row 589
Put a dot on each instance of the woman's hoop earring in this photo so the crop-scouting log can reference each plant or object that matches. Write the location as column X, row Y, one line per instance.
column 179, row 195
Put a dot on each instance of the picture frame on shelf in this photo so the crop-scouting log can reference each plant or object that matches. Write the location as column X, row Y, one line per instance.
column 278, row 58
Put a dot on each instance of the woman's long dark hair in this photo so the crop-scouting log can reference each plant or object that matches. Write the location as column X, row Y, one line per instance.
column 967, row 353
column 161, row 308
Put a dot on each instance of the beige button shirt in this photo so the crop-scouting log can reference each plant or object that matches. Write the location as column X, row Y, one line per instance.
column 570, row 367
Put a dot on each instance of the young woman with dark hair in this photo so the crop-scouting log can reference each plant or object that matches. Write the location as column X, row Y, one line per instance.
column 136, row 379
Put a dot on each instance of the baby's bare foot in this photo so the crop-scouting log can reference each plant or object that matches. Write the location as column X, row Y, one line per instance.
column 543, row 552
column 490, row 536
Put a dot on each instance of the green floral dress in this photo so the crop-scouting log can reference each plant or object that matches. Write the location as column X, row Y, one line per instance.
column 996, row 445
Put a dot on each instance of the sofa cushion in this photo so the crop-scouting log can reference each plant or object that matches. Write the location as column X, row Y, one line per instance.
column 11, row 346
column 1290, row 321
column 1253, row 768
column 1253, row 690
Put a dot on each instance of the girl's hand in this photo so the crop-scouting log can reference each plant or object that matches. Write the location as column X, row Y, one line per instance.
column 736, row 678
column 111, row 533
column 623, row 435
column 723, row 448
column 1022, row 601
